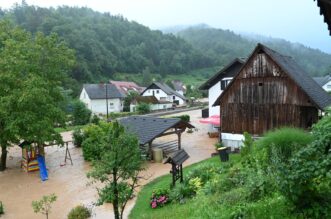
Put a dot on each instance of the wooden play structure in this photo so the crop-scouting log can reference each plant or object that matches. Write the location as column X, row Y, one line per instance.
column 33, row 158
column 30, row 154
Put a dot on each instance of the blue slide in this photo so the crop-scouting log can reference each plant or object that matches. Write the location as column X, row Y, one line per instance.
column 42, row 168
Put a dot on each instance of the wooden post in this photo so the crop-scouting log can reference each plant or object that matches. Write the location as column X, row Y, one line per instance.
column 68, row 155
column 181, row 173
column 179, row 140
column 150, row 149
column 173, row 174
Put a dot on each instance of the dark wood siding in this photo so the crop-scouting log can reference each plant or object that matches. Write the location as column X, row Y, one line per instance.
column 263, row 97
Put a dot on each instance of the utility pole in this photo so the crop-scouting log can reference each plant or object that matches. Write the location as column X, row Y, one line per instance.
column 107, row 99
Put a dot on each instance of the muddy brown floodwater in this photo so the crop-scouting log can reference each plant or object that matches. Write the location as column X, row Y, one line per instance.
column 69, row 182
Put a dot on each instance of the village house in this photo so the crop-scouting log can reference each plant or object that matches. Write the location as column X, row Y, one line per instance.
column 179, row 87
column 154, row 103
column 270, row 91
column 102, row 98
column 324, row 82
column 163, row 92
column 126, row 86
column 217, row 84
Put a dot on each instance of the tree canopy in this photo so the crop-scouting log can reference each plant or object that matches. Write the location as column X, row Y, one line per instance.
column 32, row 69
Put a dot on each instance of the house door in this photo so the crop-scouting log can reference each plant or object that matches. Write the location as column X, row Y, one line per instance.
column 153, row 93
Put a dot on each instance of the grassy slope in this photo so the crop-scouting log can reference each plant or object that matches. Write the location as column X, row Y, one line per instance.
column 195, row 78
column 191, row 209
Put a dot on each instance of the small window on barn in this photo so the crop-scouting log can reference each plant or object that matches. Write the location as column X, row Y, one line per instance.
column 223, row 85
column 260, row 83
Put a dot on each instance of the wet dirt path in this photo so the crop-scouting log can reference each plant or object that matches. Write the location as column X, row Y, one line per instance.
column 18, row 189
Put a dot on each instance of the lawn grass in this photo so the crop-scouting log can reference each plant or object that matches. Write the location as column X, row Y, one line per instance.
column 68, row 128
column 190, row 209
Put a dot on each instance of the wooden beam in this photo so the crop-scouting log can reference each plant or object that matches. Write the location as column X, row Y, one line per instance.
column 173, row 132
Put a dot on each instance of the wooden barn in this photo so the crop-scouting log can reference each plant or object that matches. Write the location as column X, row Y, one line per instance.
column 270, row 91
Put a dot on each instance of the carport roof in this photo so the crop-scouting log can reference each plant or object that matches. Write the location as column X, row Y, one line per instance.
column 147, row 128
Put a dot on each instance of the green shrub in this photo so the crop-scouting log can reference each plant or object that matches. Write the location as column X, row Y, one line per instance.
column 80, row 114
column 284, row 142
column 234, row 196
column 275, row 206
column 160, row 197
column 247, row 145
column 184, row 118
column 95, row 119
column 205, row 172
column 181, row 192
column 259, row 183
column 79, row 212
column 93, row 143
column 78, row 137
column 2, row 210
column 143, row 108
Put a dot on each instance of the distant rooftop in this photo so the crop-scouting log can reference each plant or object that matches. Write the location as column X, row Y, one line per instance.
column 125, row 86
column 98, row 91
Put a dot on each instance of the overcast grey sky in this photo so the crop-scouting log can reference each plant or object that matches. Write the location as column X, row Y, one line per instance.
column 293, row 20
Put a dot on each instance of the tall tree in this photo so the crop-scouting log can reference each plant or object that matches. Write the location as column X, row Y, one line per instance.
column 117, row 168
column 32, row 69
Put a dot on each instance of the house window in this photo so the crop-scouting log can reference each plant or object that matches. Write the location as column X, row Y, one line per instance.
column 111, row 105
column 157, row 91
column 224, row 83
column 173, row 97
column 163, row 98
column 164, row 106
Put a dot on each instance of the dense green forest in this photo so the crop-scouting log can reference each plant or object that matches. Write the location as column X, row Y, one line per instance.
column 109, row 46
column 225, row 45
column 106, row 44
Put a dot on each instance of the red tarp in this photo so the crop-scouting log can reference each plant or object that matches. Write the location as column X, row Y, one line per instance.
column 214, row 120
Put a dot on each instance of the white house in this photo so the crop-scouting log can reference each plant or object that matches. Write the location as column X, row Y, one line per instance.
column 154, row 103
column 163, row 92
column 324, row 82
column 100, row 97
column 179, row 86
column 217, row 84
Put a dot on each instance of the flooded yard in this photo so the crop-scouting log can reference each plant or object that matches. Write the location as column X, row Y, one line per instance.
column 69, row 182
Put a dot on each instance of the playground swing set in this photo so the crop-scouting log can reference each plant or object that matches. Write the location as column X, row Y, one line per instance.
column 33, row 158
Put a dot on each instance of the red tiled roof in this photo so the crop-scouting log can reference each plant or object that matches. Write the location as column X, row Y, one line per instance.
column 125, row 86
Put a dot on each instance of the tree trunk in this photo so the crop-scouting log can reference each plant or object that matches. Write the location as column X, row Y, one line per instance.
column 115, row 202
column 3, row 158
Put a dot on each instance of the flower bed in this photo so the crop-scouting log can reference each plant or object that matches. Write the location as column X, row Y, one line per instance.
column 159, row 198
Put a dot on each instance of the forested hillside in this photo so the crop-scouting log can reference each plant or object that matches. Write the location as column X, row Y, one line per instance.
column 110, row 46
column 106, row 44
column 225, row 45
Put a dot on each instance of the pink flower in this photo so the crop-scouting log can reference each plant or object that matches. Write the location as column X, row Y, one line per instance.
column 154, row 205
